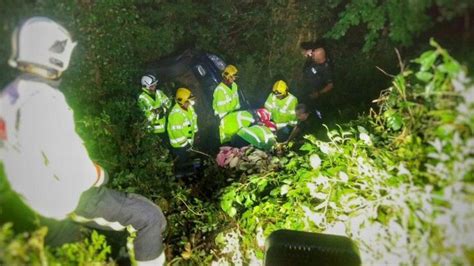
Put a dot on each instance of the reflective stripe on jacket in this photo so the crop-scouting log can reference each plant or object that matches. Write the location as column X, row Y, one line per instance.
column 283, row 110
column 258, row 136
column 151, row 107
column 182, row 126
column 232, row 122
column 225, row 99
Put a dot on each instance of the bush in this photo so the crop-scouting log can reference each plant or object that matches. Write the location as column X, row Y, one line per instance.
column 398, row 182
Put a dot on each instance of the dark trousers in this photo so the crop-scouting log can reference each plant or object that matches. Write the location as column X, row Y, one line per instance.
column 107, row 209
column 238, row 142
column 99, row 208
column 182, row 155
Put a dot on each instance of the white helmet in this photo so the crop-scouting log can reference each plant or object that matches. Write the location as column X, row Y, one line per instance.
column 149, row 80
column 43, row 43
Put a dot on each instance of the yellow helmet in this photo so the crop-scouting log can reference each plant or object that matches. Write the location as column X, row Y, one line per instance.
column 229, row 71
column 183, row 95
column 280, row 87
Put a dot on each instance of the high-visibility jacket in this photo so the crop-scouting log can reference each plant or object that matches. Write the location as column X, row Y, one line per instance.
column 261, row 137
column 225, row 99
column 44, row 159
column 182, row 126
column 232, row 122
column 283, row 110
column 155, row 107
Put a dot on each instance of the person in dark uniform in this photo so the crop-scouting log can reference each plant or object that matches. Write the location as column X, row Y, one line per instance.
column 309, row 121
column 317, row 80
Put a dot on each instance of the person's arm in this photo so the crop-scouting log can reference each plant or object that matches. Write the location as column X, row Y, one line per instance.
column 325, row 90
column 269, row 103
column 295, row 132
column 146, row 109
column 294, row 102
column 166, row 101
column 195, row 122
column 237, row 96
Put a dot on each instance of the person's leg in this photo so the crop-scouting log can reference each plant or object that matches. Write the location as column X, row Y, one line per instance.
column 107, row 209
column 238, row 142
column 181, row 154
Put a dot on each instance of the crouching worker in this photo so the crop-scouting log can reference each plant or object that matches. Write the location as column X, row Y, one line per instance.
column 259, row 136
column 44, row 160
column 281, row 104
column 308, row 123
column 154, row 104
column 182, row 125
column 232, row 123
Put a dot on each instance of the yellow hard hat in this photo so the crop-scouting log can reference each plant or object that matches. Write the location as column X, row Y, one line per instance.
column 280, row 87
column 229, row 71
column 183, row 95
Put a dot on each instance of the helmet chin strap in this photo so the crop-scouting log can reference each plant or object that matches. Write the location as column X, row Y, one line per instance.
column 45, row 73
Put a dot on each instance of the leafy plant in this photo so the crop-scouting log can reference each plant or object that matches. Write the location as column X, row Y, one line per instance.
column 400, row 187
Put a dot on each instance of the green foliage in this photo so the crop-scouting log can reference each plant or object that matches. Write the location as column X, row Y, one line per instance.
column 400, row 21
column 117, row 38
column 90, row 251
column 29, row 249
column 400, row 185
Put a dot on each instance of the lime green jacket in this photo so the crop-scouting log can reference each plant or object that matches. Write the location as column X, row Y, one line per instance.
column 283, row 110
column 182, row 126
column 155, row 108
column 232, row 122
column 261, row 137
column 225, row 99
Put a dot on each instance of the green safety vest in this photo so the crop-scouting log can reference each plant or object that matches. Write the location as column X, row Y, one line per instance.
column 261, row 137
column 150, row 106
column 182, row 126
column 282, row 110
column 232, row 122
column 225, row 99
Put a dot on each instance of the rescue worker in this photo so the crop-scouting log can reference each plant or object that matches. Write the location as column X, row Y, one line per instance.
column 232, row 122
column 317, row 80
column 281, row 104
column 259, row 135
column 308, row 123
column 182, row 125
column 154, row 103
column 226, row 96
column 44, row 159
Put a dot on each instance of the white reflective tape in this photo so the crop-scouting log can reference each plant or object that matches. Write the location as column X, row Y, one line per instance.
column 239, row 120
column 250, row 133
column 222, row 123
column 176, row 127
column 280, row 125
column 266, row 138
column 178, row 140
column 116, row 226
column 224, row 102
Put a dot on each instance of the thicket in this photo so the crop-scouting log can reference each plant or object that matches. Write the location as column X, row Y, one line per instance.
column 399, row 182
column 262, row 38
